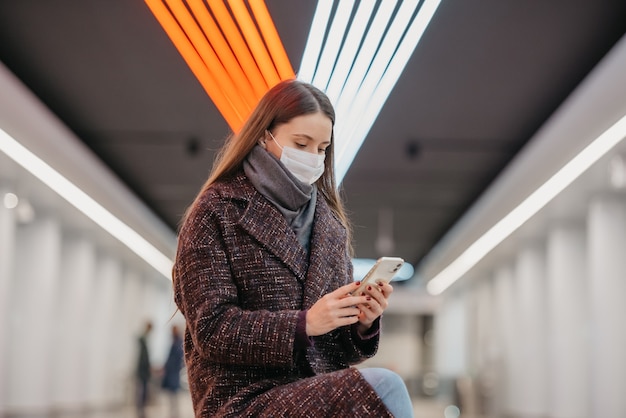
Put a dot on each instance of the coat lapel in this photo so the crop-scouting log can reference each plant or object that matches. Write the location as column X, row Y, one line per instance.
column 328, row 266
column 268, row 226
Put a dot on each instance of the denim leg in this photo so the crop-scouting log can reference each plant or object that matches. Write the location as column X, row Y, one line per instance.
column 391, row 389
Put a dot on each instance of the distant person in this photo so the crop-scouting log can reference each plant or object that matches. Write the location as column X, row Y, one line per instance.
column 171, row 370
column 263, row 277
column 143, row 372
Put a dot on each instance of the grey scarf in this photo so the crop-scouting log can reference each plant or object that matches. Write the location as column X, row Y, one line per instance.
column 293, row 198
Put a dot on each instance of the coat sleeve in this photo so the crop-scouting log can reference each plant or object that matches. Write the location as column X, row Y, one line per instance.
column 207, row 296
column 344, row 346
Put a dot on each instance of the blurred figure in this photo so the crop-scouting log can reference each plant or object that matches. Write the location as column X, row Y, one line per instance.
column 143, row 372
column 171, row 370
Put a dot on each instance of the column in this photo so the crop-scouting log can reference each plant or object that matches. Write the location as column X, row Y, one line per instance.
column 531, row 334
column 506, row 385
column 7, row 254
column 78, row 259
column 159, row 307
column 607, row 290
column 103, row 306
column 132, row 326
column 450, row 340
column 32, row 307
column 488, row 351
column 567, row 321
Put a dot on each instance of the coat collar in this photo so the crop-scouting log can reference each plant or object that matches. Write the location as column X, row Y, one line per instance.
column 328, row 240
column 259, row 213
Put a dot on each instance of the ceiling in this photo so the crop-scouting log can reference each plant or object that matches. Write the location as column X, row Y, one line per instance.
column 485, row 77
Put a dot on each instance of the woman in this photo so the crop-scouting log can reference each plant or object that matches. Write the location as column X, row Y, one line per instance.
column 263, row 277
column 170, row 382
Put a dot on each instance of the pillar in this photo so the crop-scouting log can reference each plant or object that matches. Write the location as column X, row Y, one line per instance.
column 450, row 341
column 7, row 254
column 531, row 332
column 103, row 307
column 607, row 290
column 567, row 322
column 506, row 384
column 34, row 294
column 78, row 259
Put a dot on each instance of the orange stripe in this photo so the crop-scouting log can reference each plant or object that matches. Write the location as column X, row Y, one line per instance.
column 224, row 82
column 195, row 63
column 272, row 39
column 226, row 56
column 255, row 43
column 238, row 46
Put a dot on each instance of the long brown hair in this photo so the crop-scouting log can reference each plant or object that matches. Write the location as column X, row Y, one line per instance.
column 283, row 102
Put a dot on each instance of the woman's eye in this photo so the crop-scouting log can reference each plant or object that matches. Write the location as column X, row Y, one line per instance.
column 301, row 145
column 321, row 151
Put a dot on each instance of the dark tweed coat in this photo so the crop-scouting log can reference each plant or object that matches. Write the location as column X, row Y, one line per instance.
column 240, row 279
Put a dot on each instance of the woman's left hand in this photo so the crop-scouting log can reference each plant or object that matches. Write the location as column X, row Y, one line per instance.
column 378, row 302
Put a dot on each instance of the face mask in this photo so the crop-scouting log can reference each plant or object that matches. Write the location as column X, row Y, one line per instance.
column 305, row 166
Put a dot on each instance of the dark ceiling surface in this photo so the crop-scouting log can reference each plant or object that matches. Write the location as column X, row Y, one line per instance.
column 485, row 77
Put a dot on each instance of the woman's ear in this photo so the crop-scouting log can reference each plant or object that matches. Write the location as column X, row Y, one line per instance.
column 263, row 141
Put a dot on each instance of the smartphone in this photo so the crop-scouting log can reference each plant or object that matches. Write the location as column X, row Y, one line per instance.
column 384, row 270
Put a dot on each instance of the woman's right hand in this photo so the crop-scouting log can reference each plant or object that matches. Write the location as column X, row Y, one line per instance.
column 334, row 310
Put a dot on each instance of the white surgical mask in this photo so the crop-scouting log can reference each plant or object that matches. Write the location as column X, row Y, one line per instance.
column 305, row 166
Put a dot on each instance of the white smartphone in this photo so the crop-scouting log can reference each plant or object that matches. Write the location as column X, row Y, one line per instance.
column 384, row 270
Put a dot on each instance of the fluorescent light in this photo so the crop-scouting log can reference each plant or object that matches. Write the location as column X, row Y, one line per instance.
column 335, row 36
column 273, row 41
column 366, row 54
column 85, row 204
column 314, row 42
column 386, row 68
column 529, row 207
column 349, row 50
column 235, row 62
column 363, row 120
column 359, row 81
column 10, row 200
column 211, row 86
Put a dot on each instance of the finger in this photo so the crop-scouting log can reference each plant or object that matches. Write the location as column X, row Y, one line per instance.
column 351, row 301
column 367, row 316
column 348, row 312
column 382, row 288
column 346, row 289
column 385, row 288
column 374, row 291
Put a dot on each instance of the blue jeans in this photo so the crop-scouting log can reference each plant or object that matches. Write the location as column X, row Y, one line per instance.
column 391, row 389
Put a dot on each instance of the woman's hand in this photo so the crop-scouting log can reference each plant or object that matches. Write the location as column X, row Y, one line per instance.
column 335, row 310
column 377, row 302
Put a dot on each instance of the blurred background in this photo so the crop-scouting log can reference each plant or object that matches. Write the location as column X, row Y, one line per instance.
column 482, row 141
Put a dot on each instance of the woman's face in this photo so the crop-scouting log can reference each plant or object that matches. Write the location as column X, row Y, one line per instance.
column 310, row 133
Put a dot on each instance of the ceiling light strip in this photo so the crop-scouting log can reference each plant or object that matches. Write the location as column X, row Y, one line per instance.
column 85, row 204
column 366, row 54
column 210, row 58
column 381, row 60
column 255, row 43
column 212, row 32
column 349, row 49
column 272, row 39
column 347, row 129
column 238, row 46
column 315, row 40
column 334, row 40
column 195, row 63
column 374, row 104
column 529, row 207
